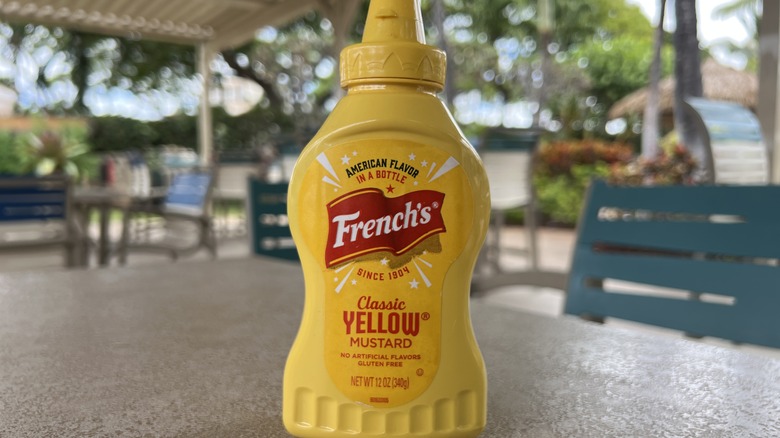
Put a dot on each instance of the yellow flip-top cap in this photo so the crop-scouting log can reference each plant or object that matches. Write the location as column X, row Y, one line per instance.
column 393, row 48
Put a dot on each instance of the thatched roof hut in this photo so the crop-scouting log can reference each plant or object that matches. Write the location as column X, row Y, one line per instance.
column 719, row 82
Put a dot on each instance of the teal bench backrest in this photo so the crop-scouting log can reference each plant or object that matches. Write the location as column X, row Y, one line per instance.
column 716, row 249
column 268, row 222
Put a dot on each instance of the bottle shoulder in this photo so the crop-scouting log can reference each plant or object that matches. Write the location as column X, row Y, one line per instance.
column 401, row 107
column 416, row 117
column 371, row 120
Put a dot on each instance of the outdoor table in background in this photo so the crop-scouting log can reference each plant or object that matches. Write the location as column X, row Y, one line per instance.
column 104, row 200
column 198, row 349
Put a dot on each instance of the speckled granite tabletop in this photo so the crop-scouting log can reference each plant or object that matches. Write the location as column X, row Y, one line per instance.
column 198, row 349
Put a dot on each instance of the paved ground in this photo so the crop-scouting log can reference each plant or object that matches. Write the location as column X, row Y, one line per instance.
column 555, row 251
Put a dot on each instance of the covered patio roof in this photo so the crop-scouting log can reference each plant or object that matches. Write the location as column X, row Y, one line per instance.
column 210, row 25
column 219, row 23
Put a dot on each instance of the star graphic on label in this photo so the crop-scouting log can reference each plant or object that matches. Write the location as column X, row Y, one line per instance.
column 390, row 188
column 345, row 159
column 415, row 183
column 384, row 261
column 354, row 282
column 414, row 283
column 424, row 163
column 335, row 279
column 412, row 156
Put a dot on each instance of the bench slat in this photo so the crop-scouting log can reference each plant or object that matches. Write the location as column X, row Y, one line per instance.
column 740, row 239
column 693, row 317
column 699, row 276
column 752, row 202
column 734, row 220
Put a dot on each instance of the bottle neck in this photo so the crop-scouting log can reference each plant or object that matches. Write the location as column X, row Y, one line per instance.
column 385, row 85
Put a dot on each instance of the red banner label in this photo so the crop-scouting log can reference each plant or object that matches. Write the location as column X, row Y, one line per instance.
column 366, row 221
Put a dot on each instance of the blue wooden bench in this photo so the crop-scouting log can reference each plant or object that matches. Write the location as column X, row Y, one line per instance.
column 36, row 213
column 699, row 259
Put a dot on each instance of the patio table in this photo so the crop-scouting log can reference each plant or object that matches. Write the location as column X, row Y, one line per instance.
column 104, row 200
column 197, row 349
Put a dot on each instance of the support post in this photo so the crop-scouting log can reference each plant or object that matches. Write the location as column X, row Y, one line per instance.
column 768, row 79
column 205, row 120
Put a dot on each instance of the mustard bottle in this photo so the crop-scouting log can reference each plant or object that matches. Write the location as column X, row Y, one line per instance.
column 388, row 207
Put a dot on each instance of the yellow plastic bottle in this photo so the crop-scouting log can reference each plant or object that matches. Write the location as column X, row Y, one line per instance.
column 388, row 206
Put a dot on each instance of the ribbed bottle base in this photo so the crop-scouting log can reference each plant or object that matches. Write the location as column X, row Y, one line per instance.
column 320, row 416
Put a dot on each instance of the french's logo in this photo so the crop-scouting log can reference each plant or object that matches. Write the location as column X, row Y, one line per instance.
column 366, row 221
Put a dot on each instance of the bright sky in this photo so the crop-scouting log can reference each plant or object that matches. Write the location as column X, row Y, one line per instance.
column 710, row 29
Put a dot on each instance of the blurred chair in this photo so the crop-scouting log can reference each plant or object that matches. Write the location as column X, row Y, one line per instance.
column 508, row 155
column 181, row 225
column 231, row 192
column 36, row 213
column 268, row 223
column 730, row 148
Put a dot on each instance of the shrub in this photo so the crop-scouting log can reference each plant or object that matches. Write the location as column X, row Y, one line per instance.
column 11, row 157
column 50, row 152
column 245, row 132
column 250, row 130
column 180, row 129
column 560, row 197
column 558, row 158
column 674, row 167
column 108, row 134
column 564, row 169
column 43, row 152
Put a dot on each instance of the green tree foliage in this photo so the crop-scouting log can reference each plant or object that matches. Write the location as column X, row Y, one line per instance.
column 179, row 130
column 119, row 133
column 294, row 67
column 138, row 65
column 53, row 67
column 33, row 63
column 495, row 45
column 246, row 132
column 614, row 68
column 252, row 130
column 619, row 66
column 749, row 13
